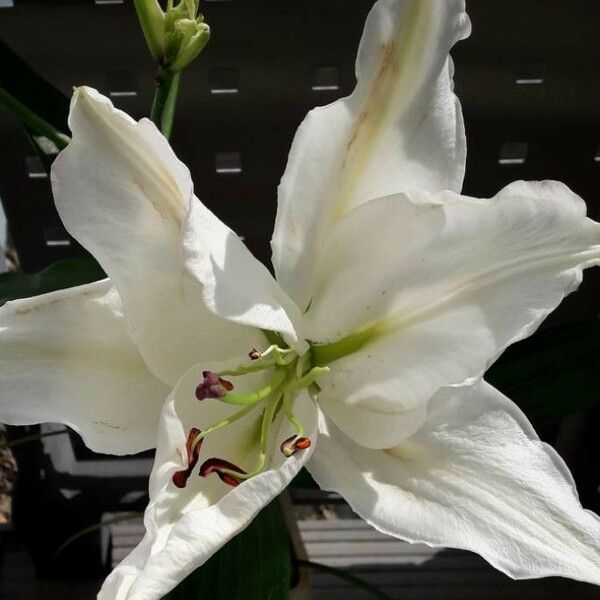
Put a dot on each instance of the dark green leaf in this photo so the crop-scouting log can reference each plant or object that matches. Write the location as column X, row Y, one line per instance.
column 304, row 481
column 552, row 374
column 22, row 82
column 254, row 565
column 36, row 103
column 62, row 274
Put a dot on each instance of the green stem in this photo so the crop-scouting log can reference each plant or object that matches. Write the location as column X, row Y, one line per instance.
column 34, row 437
column 223, row 423
column 353, row 579
column 165, row 99
column 32, row 120
column 124, row 517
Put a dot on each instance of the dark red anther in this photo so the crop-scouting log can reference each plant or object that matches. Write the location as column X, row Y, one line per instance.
column 180, row 477
column 254, row 354
column 293, row 444
column 212, row 386
column 229, row 479
column 302, row 443
column 216, row 465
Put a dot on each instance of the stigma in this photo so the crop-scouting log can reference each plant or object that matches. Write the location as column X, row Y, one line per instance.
column 212, row 386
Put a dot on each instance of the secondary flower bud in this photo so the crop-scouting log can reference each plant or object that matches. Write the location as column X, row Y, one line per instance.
column 175, row 36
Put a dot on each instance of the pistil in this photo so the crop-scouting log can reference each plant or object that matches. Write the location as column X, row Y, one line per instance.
column 212, row 386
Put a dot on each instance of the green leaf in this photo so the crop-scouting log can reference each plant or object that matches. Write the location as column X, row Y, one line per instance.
column 254, row 565
column 36, row 103
column 62, row 274
column 552, row 374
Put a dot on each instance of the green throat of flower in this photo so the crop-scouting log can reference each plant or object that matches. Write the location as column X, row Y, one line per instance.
column 289, row 374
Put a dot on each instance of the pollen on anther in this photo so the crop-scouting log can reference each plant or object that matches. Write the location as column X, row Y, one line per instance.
column 254, row 354
column 218, row 465
column 212, row 386
column 293, row 444
column 229, row 479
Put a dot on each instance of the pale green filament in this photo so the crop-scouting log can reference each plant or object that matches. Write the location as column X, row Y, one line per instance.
column 223, row 423
column 291, row 374
column 289, row 413
column 273, row 355
column 307, row 379
column 265, row 428
column 260, row 394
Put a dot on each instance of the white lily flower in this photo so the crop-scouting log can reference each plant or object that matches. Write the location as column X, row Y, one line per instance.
column 394, row 293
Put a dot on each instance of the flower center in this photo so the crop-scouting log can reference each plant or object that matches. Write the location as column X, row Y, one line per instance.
column 289, row 374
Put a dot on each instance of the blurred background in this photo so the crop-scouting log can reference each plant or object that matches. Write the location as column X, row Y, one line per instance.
column 529, row 84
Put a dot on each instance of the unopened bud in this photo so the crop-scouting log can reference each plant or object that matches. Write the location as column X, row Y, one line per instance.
column 174, row 37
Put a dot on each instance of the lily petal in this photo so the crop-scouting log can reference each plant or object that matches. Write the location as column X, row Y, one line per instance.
column 373, row 428
column 65, row 357
column 185, row 527
column 401, row 128
column 123, row 194
column 444, row 283
column 235, row 286
column 475, row 477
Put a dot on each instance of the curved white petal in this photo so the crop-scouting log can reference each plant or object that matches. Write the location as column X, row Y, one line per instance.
column 65, row 357
column 185, row 527
column 401, row 128
column 449, row 282
column 123, row 194
column 373, row 428
column 235, row 285
column 474, row 477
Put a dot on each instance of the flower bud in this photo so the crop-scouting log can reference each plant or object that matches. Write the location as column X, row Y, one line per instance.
column 174, row 37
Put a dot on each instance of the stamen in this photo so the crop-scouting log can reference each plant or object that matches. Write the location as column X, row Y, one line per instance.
column 271, row 388
column 228, row 472
column 193, row 450
column 289, row 413
column 212, row 386
column 223, row 423
column 307, row 379
column 273, row 355
column 293, row 444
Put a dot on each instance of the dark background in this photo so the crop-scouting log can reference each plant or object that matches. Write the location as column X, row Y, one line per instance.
column 273, row 52
column 528, row 82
